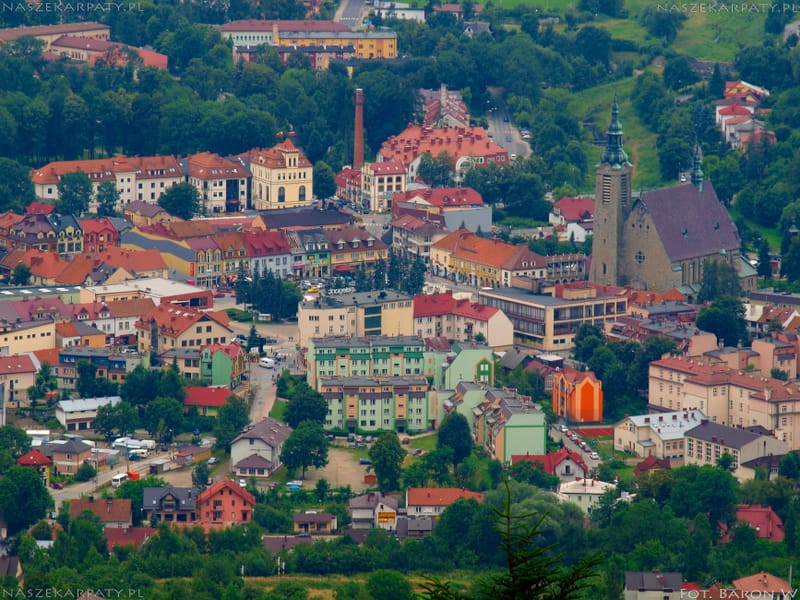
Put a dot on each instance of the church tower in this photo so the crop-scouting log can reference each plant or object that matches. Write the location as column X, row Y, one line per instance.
column 612, row 203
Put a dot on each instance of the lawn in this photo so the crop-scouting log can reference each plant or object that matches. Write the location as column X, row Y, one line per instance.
column 426, row 442
column 772, row 236
column 278, row 411
column 241, row 316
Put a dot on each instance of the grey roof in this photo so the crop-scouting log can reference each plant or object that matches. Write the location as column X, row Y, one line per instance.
column 672, row 425
column 304, row 217
column 357, row 299
column 162, row 245
column 186, row 497
column 393, row 380
column 690, row 222
column 85, row 328
column 68, row 447
column 87, row 404
column 268, row 430
column 9, row 566
column 731, row 437
column 417, row 527
column 254, row 461
column 345, row 341
column 182, row 353
column 371, row 500
column 120, row 224
column 527, row 296
column 653, row 581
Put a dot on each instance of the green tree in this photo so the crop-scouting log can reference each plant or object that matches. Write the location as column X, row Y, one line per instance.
column 725, row 319
column 91, row 386
column 16, row 187
column 454, row 433
column 85, row 472
column 44, row 382
column 389, row 585
column 231, row 419
column 74, row 193
column 23, row 497
column 181, row 200
column 435, row 171
column 305, row 447
column 719, row 279
column 107, row 199
column 134, row 491
column 587, row 340
column 306, row 404
column 324, row 180
column 678, row 73
column 162, row 415
column 387, row 457
column 21, row 275
column 140, row 386
column 764, row 267
column 14, row 442
column 200, row 475
column 118, row 420
column 531, row 473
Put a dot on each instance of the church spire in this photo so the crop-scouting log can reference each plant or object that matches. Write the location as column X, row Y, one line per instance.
column 613, row 153
column 697, row 172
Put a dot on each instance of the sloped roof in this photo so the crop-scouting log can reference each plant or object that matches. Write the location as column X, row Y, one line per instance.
column 270, row 431
column 445, row 197
column 551, row 460
column 15, row 364
column 283, row 25
column 575, row 209
column 653, row 581
column 76, row 272
column 762, row 582
column 34, row 458
column 220, row 486
column 439, row 496
column 174, row 320
column 206, row 396
column 108, row 510
column 133, row 261
column 458, row 142
column 125, row 536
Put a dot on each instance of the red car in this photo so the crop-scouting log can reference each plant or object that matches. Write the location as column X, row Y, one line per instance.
column 219, row 294
column 57, row 486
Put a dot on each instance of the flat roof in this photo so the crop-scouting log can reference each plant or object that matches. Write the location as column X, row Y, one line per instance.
column 545, row 300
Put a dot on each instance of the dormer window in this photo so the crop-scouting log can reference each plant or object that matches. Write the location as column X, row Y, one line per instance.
column 355, row 243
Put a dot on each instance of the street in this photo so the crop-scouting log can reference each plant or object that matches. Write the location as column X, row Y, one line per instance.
column 502, row 130
column 349, row 13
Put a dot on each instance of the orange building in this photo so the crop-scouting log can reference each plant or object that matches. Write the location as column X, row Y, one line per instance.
column 225, row 504
column 577, row 396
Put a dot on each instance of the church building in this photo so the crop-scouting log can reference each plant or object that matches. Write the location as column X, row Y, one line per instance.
column 660, row 239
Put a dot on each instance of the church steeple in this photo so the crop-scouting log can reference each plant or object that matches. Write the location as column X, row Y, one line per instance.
column 614, row 154
column 697, row 172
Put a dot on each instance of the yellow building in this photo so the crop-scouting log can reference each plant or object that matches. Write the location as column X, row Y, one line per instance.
column 27, row 336
column 353, row 247
column 282, row 177
column 168, row 326
column 367, row 44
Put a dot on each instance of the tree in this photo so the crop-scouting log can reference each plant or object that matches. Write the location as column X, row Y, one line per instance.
column 454, row 433
column 200, row 475
column 725, row 319
column 74, row 193
column 23, row 497
column 140, row 386
column 44, row 382
column 21, row 275
column 587, row 340
column 719, row 279
column 389, row 585
column 764, row 268
column 113, row 421
column 91, row 386
column 435, row 171
column 678, row 73
column 14, row 442
column 107, row 199
column 16, row 187
column 324, row 180
column 181, row 200
column 162, row 415
column 85, row 472
column 305, row 447
column 387, row 457
column 231, row 419
column 306, row 404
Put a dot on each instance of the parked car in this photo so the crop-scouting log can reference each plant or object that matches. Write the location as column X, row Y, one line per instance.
column 594, row 456
column 365, row 461
column 57, row 486
column 219, row 294
column 213, row 460
column 242, row 483
column 563, row 429
column 406, row 441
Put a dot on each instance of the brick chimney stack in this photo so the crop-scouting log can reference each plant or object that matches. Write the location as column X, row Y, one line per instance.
column 358, row 134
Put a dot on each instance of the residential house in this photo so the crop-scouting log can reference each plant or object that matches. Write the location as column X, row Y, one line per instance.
column 380, row 181
column 123, row 536
column 77, row 333
column 45, row 268
column 225, row 504
column 17, row 374
column 689, row 340
column 374, row 404
column 571, row 210
column 660, row 435
column 468, row 258
column 373, row 510
column 758, row 467
column 577, row 396
column 763, row 520
column 140, row 263
column 310, row 254
column 381, row 313
column 221, row 183
column 467, row 146
column 585, row 492
column 353, row 248
column 170, row 505
column 186, row 360
column 112, row 512
column 348, row 186
column 442, row 315
column 233, row 254
column 50, row 33
column 442, row 107
column 708, row 442
column 98, row 234
column 550, row 323
column 77, row 415
column 92, row 51
column 168, row 326
column 453, row 207
column 110, row 363
column 459, row 362
column 508, row 423
column 414, row 528
column 764, row 585
column 11, row 567
column 189, row 454
column 256, row 451
column 67, row 457
column 224, row 365
column 305, row 217
column 413, row 236
column 432, row 502
column 564, row 464
column 282, row 177
column 140, row 212
column 314, row 523
column 653, row 585
column 36, row 460
column 465, row 397
column 651, row 464
column 7, row 220
column 159, row 289
column 207, row 400
column 59, row 234
column 268, row 251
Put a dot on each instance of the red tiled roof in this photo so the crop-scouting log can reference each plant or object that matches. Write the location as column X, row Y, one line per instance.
column 107, row 509
column 574, row 376
column 46, row 265
column 438, row 304
column 124, row 536
column 439, row 496
column 104, row 169
column 39, row 208
column 17, row 363
column 735, row 109
column 442, row 197
column 762, row 582
column 67, row 329
column 575, row 209
column 220, row 486
column 551, row 460
column 207, row 165
column 49, row 356
column 458, row 142
column 247, row 25
column 275, row 157
column 388, row 167
column 767, row 524
column 96, row 225
column 34, row 458
column 174, row 320
column 650, row 463
column 7, row 35
column 471, row 247
column 76, row 272
column 133, row 261
column 206, row 396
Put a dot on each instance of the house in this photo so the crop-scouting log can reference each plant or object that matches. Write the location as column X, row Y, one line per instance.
column 77, row 333
column 67, row 457
column 467, row 146
column 224, row 364
column 59, row 234
column 49, row 33
column 112, row 512
column 660, row 435
column 764, row 585
column 653, row 585
column 256, row 451
column 140, row 263
column 577, row 396
column 442, row 315
column 168, row 326
column 572, row 210
column 170, row 505
column 98, row 234
column 220, row 183
column 763, row 520
column 708, row 442
column 225, row 504
column 17, row 374
column 413, row 236
column 189, row 454
column 373, row 510
column 36, row 460
column 207, row 400
column 127, row 536
column 443, row 108
column 26, row 336
column 432, row 502
column 508, row 423
column 77, row 415
column 314, row 523
column 140, row 212
column 352, row 248
column 564, row 464
column 380, row 181
column 414, row 528
column 650, row 464
column 584, row 492
column 282, row 176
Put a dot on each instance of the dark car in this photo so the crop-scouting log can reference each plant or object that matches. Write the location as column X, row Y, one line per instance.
column 406, row 441
column 57, row 486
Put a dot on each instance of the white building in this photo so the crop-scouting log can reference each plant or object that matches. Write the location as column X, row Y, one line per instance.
column 77, row 415
column 586, row 493
column 256, row 451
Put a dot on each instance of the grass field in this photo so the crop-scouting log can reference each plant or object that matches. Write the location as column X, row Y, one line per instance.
column 426, row 442
column 278, row 411
column 772, row 236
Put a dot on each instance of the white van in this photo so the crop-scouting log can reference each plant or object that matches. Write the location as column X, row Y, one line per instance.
column 266, row 362
column 118, row 480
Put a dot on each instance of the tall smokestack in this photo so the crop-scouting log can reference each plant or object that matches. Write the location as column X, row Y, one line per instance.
column 358, row 134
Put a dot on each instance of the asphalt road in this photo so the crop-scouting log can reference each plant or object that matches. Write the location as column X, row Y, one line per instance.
column 502, row 130
column 556, row 435
column 349, row 13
